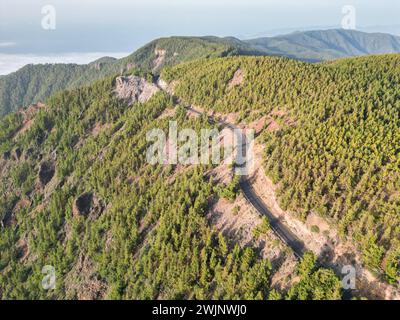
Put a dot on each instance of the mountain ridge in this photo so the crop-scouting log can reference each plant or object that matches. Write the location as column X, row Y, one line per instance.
column 320, row 45
column 34, row 83
column 78, row 193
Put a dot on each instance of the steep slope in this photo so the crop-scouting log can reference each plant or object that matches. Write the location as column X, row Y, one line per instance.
column 332, row 145
column 327, row 44
column 78, row 194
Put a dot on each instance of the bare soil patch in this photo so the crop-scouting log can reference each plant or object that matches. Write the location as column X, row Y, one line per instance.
column 28, row 115
column 237, row 80
column 83, row 282
column 98, row 128
column 334, row 251
column 159, row 59
column 167, row 113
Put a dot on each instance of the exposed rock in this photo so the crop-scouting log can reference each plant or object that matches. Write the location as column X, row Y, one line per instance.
column 31, row 111
column 167, row 87
column 160, row 58
column 237, row 79
column 21, row 204
column 258, row 125
column 46, row 172
column 40, row 207
column 167, row 113
column 98, row 127
column 93, row 289
column 134, row 89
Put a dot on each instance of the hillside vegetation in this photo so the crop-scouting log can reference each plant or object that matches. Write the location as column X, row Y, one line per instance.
column 78, row 194
column 336, row 152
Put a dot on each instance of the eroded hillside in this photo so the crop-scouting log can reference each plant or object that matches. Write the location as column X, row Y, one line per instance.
column 78, row 194
column 332, row 148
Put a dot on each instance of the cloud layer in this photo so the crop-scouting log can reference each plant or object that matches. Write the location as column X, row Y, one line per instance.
column 12, row 62
column 7, row 44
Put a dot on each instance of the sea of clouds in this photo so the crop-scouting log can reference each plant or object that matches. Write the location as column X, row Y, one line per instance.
column 12, row 62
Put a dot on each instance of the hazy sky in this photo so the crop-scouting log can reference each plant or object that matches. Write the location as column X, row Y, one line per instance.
column 121, row 26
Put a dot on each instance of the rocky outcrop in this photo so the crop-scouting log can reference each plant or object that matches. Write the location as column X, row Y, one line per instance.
column 160, row 58
column 134, row 89
column 167, row 87
column 237, row 79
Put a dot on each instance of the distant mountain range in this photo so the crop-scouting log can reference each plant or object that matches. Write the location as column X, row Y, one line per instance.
column 34, row 83
column 322, row 45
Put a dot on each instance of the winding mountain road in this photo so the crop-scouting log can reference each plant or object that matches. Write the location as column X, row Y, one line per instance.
column 277, row 226
column 283, row 232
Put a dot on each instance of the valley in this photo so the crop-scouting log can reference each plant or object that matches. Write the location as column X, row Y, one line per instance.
column 78, row 193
